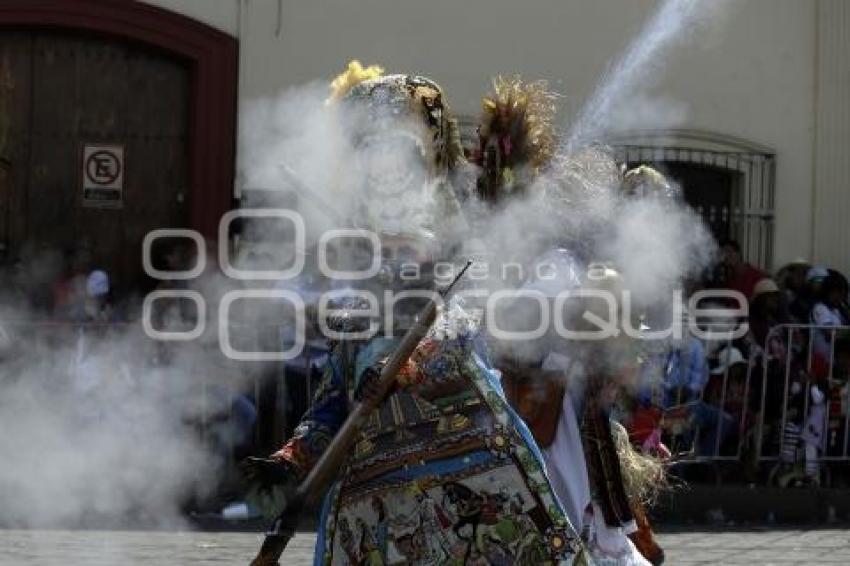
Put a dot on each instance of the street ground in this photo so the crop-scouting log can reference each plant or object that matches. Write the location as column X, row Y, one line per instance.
column 111, row 548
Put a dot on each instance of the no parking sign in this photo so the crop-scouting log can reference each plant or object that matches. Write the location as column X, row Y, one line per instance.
column 103, row 175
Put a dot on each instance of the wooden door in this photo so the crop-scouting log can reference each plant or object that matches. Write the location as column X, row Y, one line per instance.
column 66, row 90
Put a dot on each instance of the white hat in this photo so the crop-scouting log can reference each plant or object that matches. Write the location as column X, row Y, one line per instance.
column 764, row 286
column 728, row 357
column 97, row 284
column 797, row 261
column 816, row 273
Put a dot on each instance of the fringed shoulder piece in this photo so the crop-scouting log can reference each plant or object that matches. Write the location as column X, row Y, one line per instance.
column 643, row 475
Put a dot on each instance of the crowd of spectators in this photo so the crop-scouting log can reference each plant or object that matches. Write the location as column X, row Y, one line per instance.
column 779, row 392
column 61, row 286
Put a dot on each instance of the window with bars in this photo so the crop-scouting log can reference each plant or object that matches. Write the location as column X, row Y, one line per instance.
column 729, row 182
column 732, row 189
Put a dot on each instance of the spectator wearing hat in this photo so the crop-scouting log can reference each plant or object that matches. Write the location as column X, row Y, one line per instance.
column 815, row 277
column 767, row 309
column 93, row 303
column 97, row 307
column 727, row 358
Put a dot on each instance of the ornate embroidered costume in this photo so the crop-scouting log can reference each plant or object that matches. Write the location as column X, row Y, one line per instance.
column 444, row 472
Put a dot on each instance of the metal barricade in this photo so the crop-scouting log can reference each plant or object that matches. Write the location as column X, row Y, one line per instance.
column 820, row 365
column 813, row 435
column 726, row 420
column 775, row 396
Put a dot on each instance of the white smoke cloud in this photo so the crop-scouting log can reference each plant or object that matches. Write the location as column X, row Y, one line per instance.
column 655, row 245
column 298, row 132
column 622, row 99
column 93, row 432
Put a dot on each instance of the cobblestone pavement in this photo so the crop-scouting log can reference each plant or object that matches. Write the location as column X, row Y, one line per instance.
column 113, row 548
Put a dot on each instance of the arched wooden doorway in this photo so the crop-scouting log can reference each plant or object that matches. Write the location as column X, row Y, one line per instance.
column 157, row 84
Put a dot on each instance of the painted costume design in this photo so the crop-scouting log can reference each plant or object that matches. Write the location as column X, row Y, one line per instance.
column 444, row 472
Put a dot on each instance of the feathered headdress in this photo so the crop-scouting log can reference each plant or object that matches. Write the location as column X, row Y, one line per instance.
column 405, row 106
column 516, row 131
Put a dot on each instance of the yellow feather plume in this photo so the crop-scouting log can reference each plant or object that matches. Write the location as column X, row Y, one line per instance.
column 354, row 74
